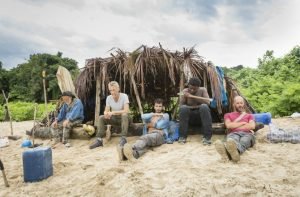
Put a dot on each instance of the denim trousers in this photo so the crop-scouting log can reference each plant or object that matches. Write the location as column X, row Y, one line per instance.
column 200, row 116
column 243, row 140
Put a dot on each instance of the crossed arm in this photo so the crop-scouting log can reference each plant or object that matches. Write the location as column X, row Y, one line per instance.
column 241, row 125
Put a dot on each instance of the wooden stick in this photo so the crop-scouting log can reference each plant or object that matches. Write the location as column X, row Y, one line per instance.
column 45, row 97
column 98, row 99
column 3, row 173
column 10, row 121
column 34, row 117
column 197, row 97
column 136, row 94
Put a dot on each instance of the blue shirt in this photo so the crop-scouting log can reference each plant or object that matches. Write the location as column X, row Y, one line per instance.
column 72, row 112
column 162, row 123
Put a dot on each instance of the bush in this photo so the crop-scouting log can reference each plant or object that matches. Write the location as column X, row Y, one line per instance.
column 21, row 111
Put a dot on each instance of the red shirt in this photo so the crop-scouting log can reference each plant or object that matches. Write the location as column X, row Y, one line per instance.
column 234, row 115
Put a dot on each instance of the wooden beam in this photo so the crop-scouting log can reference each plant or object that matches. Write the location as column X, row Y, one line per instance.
column 136, row 94
column 98, row 100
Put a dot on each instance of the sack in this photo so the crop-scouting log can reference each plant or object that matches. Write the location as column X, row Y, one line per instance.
column 4, row 142
column 174, row 130
column 264, row 118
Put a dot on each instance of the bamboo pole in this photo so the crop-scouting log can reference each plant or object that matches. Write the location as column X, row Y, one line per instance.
column 98, row 100
column 10, row 121
column 34, row 118
column 45, row 97
column 136, row 94
column 181, row 86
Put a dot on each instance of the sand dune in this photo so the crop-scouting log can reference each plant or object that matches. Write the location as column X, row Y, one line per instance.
column 169, row 170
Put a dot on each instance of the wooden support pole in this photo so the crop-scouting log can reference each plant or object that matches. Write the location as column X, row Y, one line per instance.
column 181, row 86
column 98, row 100
column 45, row 97
column 136, row 94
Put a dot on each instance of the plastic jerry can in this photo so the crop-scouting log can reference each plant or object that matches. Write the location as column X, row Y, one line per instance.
column 37, row 164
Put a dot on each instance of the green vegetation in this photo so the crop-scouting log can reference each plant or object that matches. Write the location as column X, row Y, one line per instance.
column 21, row 111
column 274, row 86
column 25, row 82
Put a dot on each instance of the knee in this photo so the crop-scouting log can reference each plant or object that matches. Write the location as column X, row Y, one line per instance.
column 53, row 131
column 204, row 108
column 124, row 116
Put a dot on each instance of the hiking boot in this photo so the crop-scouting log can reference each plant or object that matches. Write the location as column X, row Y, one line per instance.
column 97, row 143
column 221, row 149
column 182, row 140
column 169, row 141
column 232, row 150
column 120, row 147
column 206, row 141
column 130, row 153
column 67, row 145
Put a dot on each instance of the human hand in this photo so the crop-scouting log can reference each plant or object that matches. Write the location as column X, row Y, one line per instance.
column 187, row 94
column 66, row 123
column 54, row 124
column 108, row 115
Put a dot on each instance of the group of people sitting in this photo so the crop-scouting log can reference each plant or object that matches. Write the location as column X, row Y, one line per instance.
column 194, row 110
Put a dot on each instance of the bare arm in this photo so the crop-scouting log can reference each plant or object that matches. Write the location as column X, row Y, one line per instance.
column 242, row 125
column 249, row 126
column 201, row 96
column 120, row 112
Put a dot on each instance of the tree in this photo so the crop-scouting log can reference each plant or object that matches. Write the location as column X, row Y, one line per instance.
column 4, row 84
column 274, row 85
column 26, row 79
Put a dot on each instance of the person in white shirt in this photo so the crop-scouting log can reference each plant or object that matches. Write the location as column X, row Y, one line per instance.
column 115, row 113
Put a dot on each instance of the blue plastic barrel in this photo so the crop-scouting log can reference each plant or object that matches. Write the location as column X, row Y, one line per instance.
column 264, row 118
column 37, row 164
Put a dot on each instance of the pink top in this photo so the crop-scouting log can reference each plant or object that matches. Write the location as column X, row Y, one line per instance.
column 234, row 115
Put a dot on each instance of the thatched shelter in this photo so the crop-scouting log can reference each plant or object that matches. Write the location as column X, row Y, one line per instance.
column 149, row 73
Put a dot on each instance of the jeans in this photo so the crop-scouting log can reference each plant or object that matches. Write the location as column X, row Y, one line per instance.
column 199, row 116
column 148, row 140
column 115, row 120
column 243, row 140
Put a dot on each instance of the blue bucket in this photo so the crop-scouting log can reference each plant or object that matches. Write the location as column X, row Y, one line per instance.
column 264, row 118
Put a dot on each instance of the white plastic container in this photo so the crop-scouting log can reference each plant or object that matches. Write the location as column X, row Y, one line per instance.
column 4, row 142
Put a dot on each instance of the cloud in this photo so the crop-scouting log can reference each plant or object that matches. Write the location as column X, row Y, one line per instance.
column 227, row 32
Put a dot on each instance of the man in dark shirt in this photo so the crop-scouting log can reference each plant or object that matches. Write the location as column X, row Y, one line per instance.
column 194, row 109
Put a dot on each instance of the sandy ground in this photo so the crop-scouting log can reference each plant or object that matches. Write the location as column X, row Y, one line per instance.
column 169, row 170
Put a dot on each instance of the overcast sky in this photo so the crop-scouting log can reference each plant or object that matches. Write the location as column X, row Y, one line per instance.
column 228, row 33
